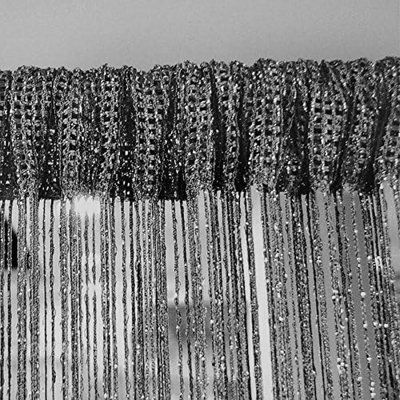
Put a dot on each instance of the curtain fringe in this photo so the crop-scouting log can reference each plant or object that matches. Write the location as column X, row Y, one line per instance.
column 325, row 286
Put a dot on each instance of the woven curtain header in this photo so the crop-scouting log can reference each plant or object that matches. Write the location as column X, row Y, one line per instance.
column 174, row 130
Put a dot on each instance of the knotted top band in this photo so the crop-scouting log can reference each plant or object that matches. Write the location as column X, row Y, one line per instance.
column 174, row 130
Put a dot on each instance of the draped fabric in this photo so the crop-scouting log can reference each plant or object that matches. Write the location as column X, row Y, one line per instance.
column 156, row 225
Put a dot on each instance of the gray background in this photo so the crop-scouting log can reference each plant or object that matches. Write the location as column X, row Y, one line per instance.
column 88, row 33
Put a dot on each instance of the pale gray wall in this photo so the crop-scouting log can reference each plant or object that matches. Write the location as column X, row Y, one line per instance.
column 88, row 33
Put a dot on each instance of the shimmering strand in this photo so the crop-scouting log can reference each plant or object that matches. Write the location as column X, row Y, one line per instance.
column 80, row 301
column 105, row 299
column 79, row 284
column 113, row 283
column 124, row 302
column 21, row 299
column 375, row 289
column 86, row 244
column 218, row 320
column 269, row 279
column 239, row 314
column 360, row 286
column 281, row 294
column 341, row 347
column 94, row 301
column 198, row 328
column 73, row 270
column 391, row 295
column 157, row 306
column 239, row 290
column 356, row 375
column 34, row 296
column 392, row 332
column 52, row 306
column 189, row 317
column 177, row 301
column 211, row 294
column 253, row 295
column 140, row 338
column 293, row 294
column 345, row 303
column 2, row 295
column 302, row 283
column 64, row 287
column 313, row 221
column 230, row 301
column 151, row 340
column 162, row 306
column 147, row 300
column 44, row 236
column 384, row 290
column 368, row 240
column 134, row 293
column 9, row 293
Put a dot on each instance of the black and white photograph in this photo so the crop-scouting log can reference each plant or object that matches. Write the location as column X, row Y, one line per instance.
column 199, row 200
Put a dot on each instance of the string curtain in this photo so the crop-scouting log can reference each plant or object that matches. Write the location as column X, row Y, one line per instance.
column 268, row 192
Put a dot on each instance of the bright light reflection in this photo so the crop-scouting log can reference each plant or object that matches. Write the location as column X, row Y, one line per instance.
column 87, row 205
